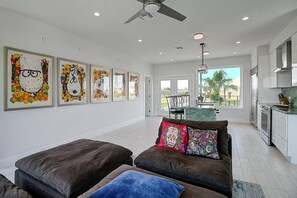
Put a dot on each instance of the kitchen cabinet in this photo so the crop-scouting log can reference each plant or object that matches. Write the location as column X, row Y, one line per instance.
column 284, row 136
column 278, row 79
column 280, row 132
column 294, row 59
column 259, row 118
column 294, row 49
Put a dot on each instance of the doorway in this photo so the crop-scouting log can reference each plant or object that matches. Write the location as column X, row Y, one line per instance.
column 172, row 85
column 148, row 95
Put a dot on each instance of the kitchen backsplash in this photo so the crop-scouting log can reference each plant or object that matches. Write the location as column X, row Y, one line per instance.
column 292, row 92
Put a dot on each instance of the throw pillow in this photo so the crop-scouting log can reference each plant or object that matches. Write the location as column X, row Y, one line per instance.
column 135, row 184
column 203, row 143
column 173, row 136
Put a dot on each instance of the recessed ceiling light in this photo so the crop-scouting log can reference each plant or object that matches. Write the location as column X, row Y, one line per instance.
column 245, row 18
column 234, row 52
column 206, row 53
column 160, row 53
column 238, row 42
column 171, row 59
column 198, row 36
column 97, row 14
column 139, row 40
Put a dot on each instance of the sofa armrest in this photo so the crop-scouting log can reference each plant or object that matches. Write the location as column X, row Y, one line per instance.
column 230, row 145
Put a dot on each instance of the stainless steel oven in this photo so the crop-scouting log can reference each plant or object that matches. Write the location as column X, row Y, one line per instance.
column 266, row 124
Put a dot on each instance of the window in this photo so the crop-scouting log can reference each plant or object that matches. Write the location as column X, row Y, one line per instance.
column 220, row 85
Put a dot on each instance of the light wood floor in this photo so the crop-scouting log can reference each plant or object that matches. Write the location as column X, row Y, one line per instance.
column 253, row 160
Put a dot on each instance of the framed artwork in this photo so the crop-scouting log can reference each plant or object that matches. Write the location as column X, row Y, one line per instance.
column 28, row 79
column 119, row 91
column 133, row 86
column 100, row 84
column 72, row 82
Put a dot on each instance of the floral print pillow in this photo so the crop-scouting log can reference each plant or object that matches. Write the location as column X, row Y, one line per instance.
column 173, row 137
column 203, row 143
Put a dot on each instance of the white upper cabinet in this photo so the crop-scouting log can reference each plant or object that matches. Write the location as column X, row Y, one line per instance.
column 294, row 59
column 294, row 49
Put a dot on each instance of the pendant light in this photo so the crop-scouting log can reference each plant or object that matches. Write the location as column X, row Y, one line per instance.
column 202, row 68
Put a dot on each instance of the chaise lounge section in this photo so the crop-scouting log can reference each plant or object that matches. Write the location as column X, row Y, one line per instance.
column 213, row 174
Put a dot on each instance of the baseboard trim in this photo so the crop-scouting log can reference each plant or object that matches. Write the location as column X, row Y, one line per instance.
column 9, row 162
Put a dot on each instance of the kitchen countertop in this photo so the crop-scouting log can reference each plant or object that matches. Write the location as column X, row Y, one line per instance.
column 281, row 108
column 291, row 111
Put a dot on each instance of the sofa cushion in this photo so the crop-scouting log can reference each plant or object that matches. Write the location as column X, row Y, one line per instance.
column 221, row 126
column 133, row 183
column 190, row 191
column 73, row 168
column 174, row 137
column 212, row 174
column 9, row 190
column 203, row 143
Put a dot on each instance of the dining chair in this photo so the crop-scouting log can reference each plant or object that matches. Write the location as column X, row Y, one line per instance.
column 177, row 105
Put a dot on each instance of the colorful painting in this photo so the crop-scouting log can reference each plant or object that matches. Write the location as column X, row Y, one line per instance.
column 100, row 84
column 28, row 79
column 133, row 86
column 119, row 85
column 72, row 82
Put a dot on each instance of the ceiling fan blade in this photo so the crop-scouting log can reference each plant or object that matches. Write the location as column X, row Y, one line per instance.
column 171, row 13
column 139, row 13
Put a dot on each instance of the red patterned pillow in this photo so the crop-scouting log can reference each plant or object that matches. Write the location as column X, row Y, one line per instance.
column 173, row 136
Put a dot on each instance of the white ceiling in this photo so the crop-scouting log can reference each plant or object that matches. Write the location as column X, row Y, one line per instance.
column 219, row 20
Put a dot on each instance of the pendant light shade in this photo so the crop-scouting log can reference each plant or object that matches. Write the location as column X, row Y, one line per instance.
column 202, row 68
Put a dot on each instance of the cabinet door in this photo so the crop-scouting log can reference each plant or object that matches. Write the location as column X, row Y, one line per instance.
column 280, row 143
column 272, row 58
column 294, row 49
column 279, row 124
column 259, row 117
column 272, row 66
column 294, row 59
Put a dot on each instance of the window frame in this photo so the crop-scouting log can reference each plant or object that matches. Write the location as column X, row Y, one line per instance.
column 240, row 106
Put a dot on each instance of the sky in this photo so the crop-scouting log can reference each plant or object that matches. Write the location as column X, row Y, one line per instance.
column 233, row 72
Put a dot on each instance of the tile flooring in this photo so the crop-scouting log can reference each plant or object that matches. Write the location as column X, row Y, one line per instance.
column 253, row 160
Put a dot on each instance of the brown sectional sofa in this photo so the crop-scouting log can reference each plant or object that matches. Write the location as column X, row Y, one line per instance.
column 205, row 172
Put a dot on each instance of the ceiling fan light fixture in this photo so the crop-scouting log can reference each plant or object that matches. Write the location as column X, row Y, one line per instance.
column 198, row 36
column 151, row 6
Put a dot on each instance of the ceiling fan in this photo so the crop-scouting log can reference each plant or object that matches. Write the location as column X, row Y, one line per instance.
column 151, row 6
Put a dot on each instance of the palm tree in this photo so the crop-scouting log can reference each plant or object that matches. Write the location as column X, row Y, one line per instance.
column 219, row 80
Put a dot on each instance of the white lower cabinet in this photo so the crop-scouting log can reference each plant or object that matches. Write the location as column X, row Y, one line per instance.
column 259, row 117
column 284, row 134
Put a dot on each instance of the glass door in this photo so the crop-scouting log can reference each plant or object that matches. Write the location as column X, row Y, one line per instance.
column 182, row 86
column 165, row 91
column 168, row 86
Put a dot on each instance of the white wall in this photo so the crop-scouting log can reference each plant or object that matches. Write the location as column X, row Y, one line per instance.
column 189, row 68
column 25, row 131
